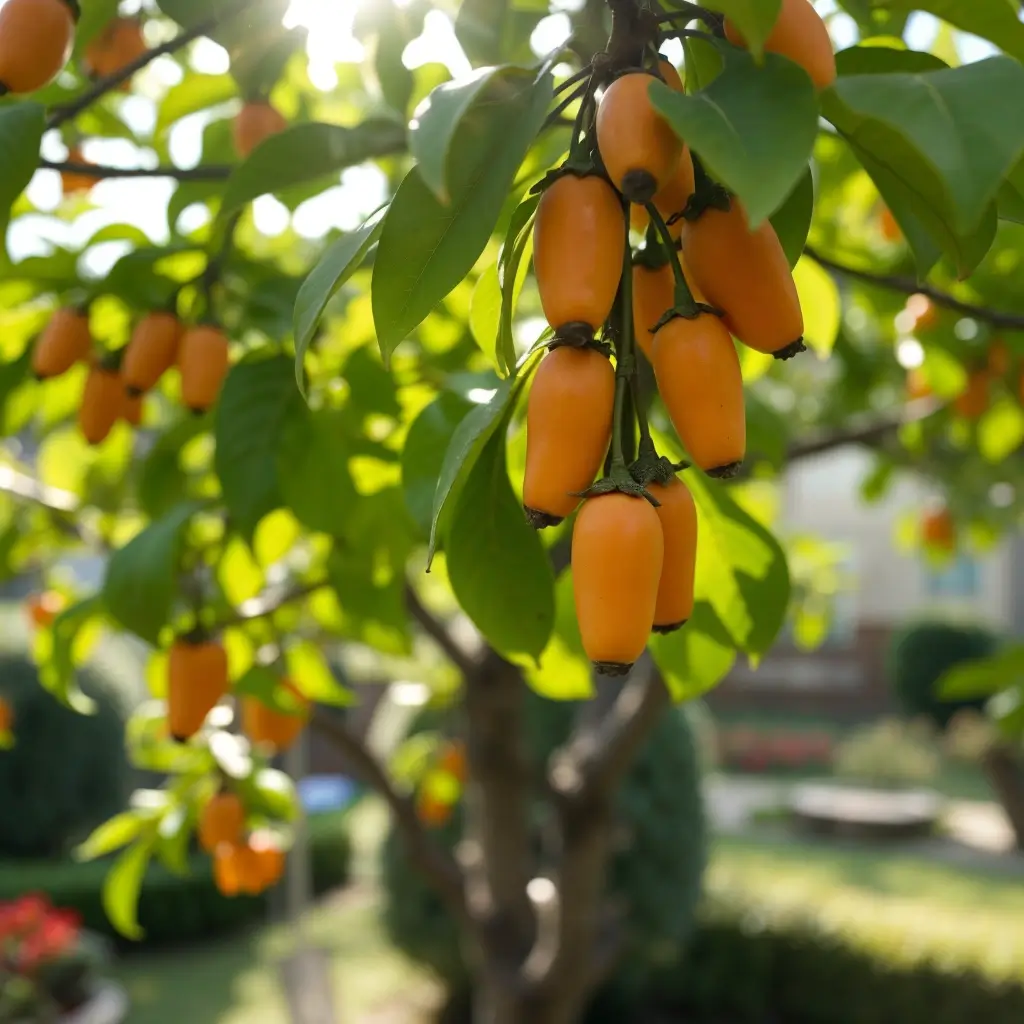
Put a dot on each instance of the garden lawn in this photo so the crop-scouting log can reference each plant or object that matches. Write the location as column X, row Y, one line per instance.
column 903, row 907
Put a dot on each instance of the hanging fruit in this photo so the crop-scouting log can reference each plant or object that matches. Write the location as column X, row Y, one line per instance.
column 76, row 182
column 255, row 123
column 203, row 359
column 152, row 351
column 801, row 35
column 568, row 427
column 577, row 244
column 747, row 275
column 617, row 555
column 678, row 516
column 36, row 37
column 640, row 150
column 972, row 402
column 197, row 680
column 102, row 402
column 653, row 292
column 222, row 820
column 65, row 341
column 266, row 726
column 117, row 45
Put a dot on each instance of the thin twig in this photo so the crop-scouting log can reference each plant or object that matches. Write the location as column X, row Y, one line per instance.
column 910, row 286
column 269, row 602
column 70, row 110
column 437, row 631
column 210, row 172
column 433, row 860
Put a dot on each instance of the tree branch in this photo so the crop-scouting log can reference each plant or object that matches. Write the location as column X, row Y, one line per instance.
column 269, row 602
column 436, row 630
column 70, row 110
column 209, row 172
column 433, row 861
column 910, row 286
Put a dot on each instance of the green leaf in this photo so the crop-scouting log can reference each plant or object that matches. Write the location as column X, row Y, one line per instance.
column 21, row 132
column 258, row 398
column 193, row 93
column 469, row 441
column 238, row 573
column 64, row 646
column 755, row 19
column 945, row 118
column 821, row 305
column 304, row 153
column 114, row 833
column 1001, row 430
column 792, row 220
column 882, row 60
column 513, row 265
column 995, row 20
column 122, row 885
column 140, row 584
column 702, row 63
column 427, row 247
column 491, row 30
column 372, row 387
column 312, row 468
column 433, row 129
column 563, row 670
column 93, row 17
column 983, row 677
column 485, row 312
column 753, row 126
column 265, row 684
column 696, row 658
column 339, row 262
column 497, row 566
column 423, row 454
column 309, row 671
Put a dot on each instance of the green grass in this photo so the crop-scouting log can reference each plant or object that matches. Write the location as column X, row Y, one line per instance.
column 903, row 906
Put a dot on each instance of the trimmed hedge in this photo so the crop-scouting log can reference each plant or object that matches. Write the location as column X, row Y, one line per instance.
column 175, row 908
column 751, row 965
column 921, row 655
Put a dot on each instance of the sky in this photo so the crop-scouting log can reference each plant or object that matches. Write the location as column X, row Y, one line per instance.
column 143, row 202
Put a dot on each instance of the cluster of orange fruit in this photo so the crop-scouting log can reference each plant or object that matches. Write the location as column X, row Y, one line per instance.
column 441, row 785
column 997, row 363
column 117, row 381
column 633, row 563
column 244, row 862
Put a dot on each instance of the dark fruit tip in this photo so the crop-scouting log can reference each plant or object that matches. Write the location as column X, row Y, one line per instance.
column 540, row 520
column 197, row 410
column 179, row 739
column 639, row 186
column 133, row 392
column 792, row 349
column 672, row 627
column 726, row 472
column 575, row 334
column 611, row 668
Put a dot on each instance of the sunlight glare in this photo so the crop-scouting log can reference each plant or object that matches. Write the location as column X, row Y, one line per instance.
column 270, row 216
column 550, row 33
column 910, row 353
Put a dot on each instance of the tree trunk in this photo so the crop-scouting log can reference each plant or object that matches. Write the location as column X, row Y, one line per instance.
column 1006, row 774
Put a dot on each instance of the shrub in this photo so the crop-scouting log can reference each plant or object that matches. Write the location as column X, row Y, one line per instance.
column 922, row 654
column 175, row 908
column 656, row 872
column 889, row 753
column 66, row 772
column 749, row 964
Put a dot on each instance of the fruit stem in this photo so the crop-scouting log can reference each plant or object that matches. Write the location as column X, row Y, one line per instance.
column 576, row 151
column 683, row 298
column 625, row 368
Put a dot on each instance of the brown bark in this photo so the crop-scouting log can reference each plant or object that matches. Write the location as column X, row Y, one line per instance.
column 1005, row 772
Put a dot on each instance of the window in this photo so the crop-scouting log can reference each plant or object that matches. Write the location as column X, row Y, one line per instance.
column 960, row 579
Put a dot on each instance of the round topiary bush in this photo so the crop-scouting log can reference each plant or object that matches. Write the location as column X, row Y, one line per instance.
column 67, row 772
column 922, row 653
column 656, row 872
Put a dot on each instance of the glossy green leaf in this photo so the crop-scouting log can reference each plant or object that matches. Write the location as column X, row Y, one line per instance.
column 424, row 451
column 821, row 305
column 945, row 118
column 883, row 60
column 983, row 677
column 122, row 886
column 60, row 649
column 140, row 583
column 339, row 262
column 753, row 126
column 995, row 20
column 792, row 219
column 563, row 671
column 193, row 93
column 427, row 247
column 485, row 312
column 312, row 468
column 307, row 152
column 114, row 833
column 258, row 398
column 21, row 133
column 498, row 567
column 469, row 441
column 754, row 19
column 694, row 659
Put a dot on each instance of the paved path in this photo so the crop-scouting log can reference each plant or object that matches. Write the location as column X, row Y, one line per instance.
column 976, row 833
